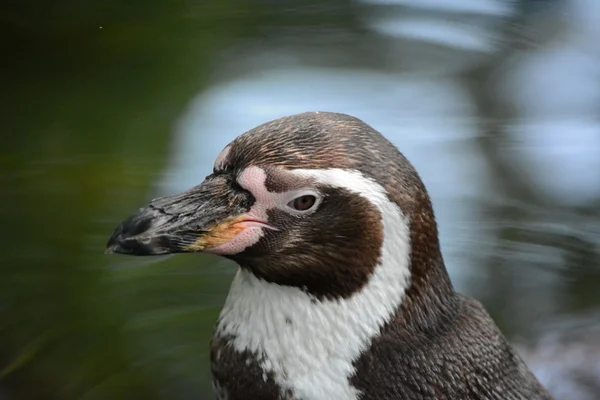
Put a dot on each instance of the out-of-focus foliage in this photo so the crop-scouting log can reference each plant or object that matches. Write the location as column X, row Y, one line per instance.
column 90, row 92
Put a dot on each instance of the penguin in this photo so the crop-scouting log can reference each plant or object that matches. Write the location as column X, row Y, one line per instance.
column 341, row 291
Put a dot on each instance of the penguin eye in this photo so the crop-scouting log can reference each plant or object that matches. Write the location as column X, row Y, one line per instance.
column 303, row 203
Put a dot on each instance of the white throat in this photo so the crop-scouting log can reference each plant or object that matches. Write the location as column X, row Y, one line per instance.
column 310, row 345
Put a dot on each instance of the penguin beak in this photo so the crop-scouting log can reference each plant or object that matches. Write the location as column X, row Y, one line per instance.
column 199, row 219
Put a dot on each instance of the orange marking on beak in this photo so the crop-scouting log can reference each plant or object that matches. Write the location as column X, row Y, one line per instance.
column 219, row 235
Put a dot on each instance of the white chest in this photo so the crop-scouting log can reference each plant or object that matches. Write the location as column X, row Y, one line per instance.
column 308, row 345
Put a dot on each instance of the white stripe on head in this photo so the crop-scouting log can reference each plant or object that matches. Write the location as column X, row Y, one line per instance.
column 221, row 160
column 313, row 355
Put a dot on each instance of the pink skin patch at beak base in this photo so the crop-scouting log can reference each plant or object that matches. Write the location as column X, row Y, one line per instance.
column 252, row 179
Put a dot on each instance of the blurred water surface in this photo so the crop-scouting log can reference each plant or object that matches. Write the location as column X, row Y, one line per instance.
column 106, row 105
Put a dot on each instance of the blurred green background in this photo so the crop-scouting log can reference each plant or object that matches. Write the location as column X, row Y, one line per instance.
column 92, row 92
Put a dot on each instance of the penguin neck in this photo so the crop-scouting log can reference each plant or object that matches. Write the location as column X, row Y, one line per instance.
column 430, row 299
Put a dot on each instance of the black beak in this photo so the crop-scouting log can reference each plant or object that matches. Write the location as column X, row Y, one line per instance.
column 203, row 217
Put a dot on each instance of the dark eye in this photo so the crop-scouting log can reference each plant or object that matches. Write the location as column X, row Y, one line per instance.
column 303, row 203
